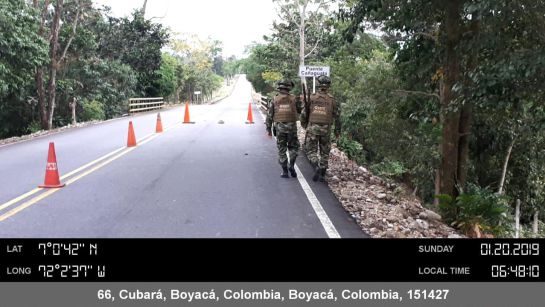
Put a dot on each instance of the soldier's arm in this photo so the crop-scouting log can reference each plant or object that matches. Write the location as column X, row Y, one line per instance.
column 270, row 116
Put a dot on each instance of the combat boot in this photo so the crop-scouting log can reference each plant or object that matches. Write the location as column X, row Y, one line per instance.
column 317, row 172
column 284, row 171
column 322, row 174
column 292, row 169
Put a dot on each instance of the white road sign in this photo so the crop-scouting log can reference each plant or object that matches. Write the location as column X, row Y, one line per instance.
column 313, row 71
column 197, row 92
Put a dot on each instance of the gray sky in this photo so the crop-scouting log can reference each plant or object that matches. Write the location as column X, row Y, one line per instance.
column 234, row 22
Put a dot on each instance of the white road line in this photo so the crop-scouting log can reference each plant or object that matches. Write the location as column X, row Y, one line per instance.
column 314, row 202
column 320, row 212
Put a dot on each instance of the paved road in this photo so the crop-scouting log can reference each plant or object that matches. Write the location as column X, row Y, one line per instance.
column 201, row 180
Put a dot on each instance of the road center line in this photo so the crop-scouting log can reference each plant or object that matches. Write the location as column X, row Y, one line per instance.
column 93, row 169
column 79, row 169
column 140, row 141
column 19, row 198
column 27, row 204
column 326, row 222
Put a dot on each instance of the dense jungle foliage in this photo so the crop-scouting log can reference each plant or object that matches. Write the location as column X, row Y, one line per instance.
column 57, row 55
column 447, row 96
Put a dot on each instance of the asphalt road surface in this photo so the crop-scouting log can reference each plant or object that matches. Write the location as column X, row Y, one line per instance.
column 193, row 180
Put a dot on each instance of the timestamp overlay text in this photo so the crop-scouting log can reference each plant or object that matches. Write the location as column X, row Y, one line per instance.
column 272, row 272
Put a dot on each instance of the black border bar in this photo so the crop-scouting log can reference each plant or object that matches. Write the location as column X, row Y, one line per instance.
column 273, row 260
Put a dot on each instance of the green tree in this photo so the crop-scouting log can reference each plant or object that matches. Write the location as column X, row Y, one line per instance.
column 478, row 67
column 256, row 64
column 137, row 42
column 91, row 76
column 168, row 72
column 71, row 11
column 450, row 33
column 301, row 29
column 21, row 50
column 231, row 67
column 196, row 71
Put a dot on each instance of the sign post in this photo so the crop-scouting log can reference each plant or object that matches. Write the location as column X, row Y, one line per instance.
column 197, row 93
column 313, row 71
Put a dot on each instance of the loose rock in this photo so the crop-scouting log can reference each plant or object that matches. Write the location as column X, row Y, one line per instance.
column 383, row 209
column 429, row 215
column 422, row 224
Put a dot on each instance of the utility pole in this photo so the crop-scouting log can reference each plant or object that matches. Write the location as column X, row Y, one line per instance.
column 144, row 7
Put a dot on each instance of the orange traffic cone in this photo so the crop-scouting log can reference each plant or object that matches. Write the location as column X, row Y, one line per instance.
column 159, row 125
column 52, row 179
column 250, row 116
column 131, row 139
column 186, row 115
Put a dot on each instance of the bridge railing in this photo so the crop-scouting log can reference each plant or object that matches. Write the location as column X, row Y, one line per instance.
column 262, row 101
column 145, row 104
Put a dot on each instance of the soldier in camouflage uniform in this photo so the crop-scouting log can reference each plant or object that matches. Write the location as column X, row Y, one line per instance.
column 282, row 119
column 318, row 118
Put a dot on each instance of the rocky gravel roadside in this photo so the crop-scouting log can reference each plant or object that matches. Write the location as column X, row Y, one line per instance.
column 382, row 208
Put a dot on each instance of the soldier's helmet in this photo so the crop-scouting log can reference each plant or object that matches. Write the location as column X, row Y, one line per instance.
column 324, row 81
column 285, row 84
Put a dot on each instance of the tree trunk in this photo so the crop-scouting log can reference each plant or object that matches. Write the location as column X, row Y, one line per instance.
column 54, row 65
column 302, row 24
column 437, row 181
column 55, row 59
column 466, row 117
column 463, row 146
column 52, row 94
column 517, row 219
column 40, row 91
column 451, row 116
column 144, row 7
column 73, row 108
column 505, row 163
column 437, row 187
column 39, row 76
column 535, row 226
column 449, row 163
column 302, row 27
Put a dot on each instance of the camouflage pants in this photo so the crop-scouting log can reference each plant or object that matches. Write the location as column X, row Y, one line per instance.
column 318, row 144
column 286, row 141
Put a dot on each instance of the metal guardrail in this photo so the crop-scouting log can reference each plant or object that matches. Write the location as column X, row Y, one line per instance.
column 263, row 101
column 145, row 104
